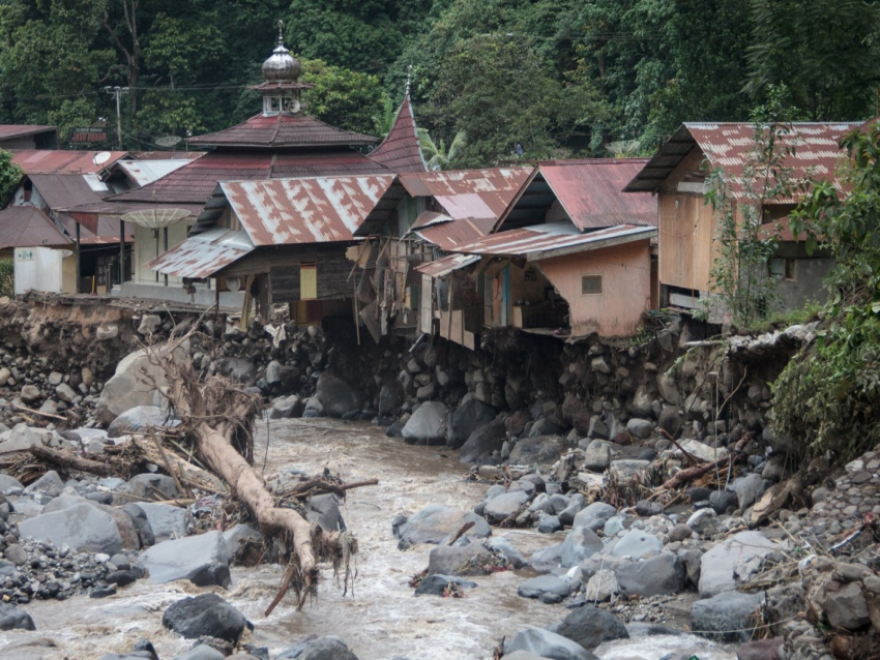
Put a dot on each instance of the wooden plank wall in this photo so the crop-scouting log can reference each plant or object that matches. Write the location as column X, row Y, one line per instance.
column 687, row 249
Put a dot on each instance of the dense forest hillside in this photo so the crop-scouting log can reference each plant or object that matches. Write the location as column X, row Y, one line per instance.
column 518, row 78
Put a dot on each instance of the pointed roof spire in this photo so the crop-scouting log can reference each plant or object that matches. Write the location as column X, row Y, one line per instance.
column 400, row 151
column 280, row 32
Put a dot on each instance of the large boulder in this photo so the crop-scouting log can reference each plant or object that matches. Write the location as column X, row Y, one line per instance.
column 144, row 487
column 455, row 560
column 661, row 575
column 320, row 648
column 547, row 588
column 202, row 559
column 505, row 505
column 467, row 418
column 436, row 523
column 238, row 370
column 580, row 544
column 543, row 450
column 207, row 615
column 636, row 544
column 727, row 617
column 140, row 419
column 391, row 398
column 427, row 426
column 741, row 554
column 324, row 510
column 594, row 516
column 11, row 618
column 437, row 585
column 135, row 383
column 82, row 527
column 337, row 396
column 166, row 522
column 484, row 442
column 546, row 644
column 589, row 626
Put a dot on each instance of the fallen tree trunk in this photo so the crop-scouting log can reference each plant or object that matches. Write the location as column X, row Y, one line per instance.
column 72, row 461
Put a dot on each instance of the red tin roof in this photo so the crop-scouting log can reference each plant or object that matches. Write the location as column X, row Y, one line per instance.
column 194, row 183
column 400, row 151
column 59, row 161
column 554, row 239
column 295, row 211
column 446, row 265
column 281, row 130
column 730, row 146
column 469, row 193
column 64, row 191
column 28, row 226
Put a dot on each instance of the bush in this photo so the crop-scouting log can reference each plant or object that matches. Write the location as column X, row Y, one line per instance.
column 7, row 278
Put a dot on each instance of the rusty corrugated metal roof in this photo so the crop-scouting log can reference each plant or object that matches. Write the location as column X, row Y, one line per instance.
column 730, row 146
column 59, row 161
column 147, row 170
column 281, row 130
column 590, row 192
column 294, row 211
column 8, row 131
column 554, row 239
column 450, row 235
column 488, row 191
column 28, row 226
column 400, row 151
column 195, row 182
column 64, row 191
column 95, row 231
column 199, row 257
column 442, row 267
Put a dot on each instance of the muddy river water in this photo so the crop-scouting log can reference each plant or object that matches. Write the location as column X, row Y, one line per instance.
column 382, row 619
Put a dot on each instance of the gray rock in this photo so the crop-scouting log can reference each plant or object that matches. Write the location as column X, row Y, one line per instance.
column 144, row 487
column 502, row 545
column 140, row 419
column 668, row 389
column 273, row 372
column 336, row 395
column 82, row 527
column 49, row 484
column 537, row 587
column 594, row 516
column 134, row 384
column 597, row 456
column 503, row 506
column 601, row 587
column 627, row 468
column 470, row 416
column 321, row 648
column 718, row 565
column 140, row 523
column 536, row 451
column 427, row 426
column 202, row 559
column 546, row 644
column 590, row 626
column 661, row 575
column 238, row 370
column 727, row 617
column 437, row 585
column 636, row 544
column 548, row 524
column 846, row 608
column 547, row 559
column 202, row 652
column 580, row 544
column 545, row 426
column 22, row 438
column 149, row 324
column 31, row 394
column 166, row 522
column 7, row 482
column 436, row 523
column 484, row 442
column 722, row 501
column 324, row 509
column 640, row 428
column 454, row 560
column 207, row 615
column 238, row 537
column 391, row 398
column 12, row 618
column 286, row 407
column 16, row 554
column 747, row 490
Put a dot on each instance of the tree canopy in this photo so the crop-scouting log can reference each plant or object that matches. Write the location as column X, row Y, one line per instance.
column 522, row 78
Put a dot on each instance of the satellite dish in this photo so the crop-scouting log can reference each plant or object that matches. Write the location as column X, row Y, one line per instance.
column 102, row 157
column 156, row 218
column 233, row 283
column 168, row 140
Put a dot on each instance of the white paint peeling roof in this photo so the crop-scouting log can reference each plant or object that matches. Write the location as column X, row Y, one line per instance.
column 306, row 210
column 203, row 255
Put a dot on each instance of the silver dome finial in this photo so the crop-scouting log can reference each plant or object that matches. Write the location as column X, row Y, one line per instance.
column 281, row 66
column 280, row 32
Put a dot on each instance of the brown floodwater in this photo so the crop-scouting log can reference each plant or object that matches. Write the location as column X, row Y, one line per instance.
column 381, row 619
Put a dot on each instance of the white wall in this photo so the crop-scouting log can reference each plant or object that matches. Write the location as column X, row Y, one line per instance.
column 40, row 269
column 145, row 252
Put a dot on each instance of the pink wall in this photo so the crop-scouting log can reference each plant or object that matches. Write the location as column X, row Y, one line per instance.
column 626, row 288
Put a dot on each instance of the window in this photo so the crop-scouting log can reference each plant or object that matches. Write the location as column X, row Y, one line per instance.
column 308, row 281
column 591, row 284
column 782, row 268
column 790, row 271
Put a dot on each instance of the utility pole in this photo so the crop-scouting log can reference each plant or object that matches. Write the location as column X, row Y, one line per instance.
column 118, row 92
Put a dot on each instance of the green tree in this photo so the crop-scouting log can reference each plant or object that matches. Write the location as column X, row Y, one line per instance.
column 341, row 97
column 10, row 177
column 437, row 155
column 825, row 53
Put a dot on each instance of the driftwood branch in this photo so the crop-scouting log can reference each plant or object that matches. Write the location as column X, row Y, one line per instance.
column 72, row 461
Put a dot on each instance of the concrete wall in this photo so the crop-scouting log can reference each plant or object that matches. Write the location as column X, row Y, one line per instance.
column 201, row 296
column 145, row 251
column 808, row 282
column 626, row 288
column 43, row 269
